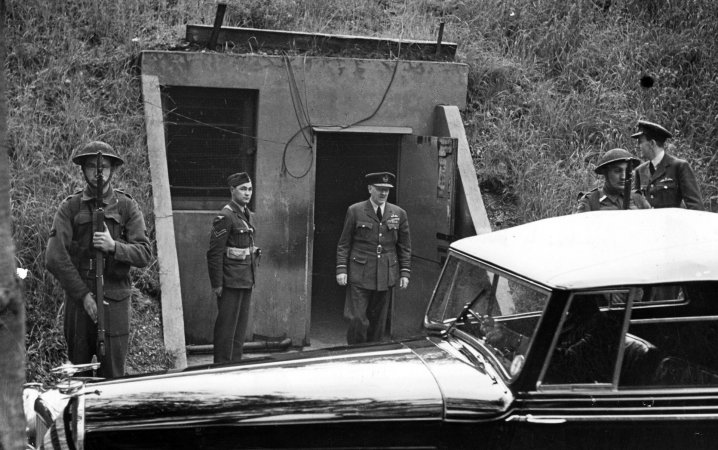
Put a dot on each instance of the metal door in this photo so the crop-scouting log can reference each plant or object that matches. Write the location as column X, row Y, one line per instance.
column 426, row 186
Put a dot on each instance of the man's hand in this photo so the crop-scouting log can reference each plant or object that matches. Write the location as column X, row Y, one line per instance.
column 342, row 279
column 88, row 301
column 103, row 240
column 403, row 282
column 217, row 292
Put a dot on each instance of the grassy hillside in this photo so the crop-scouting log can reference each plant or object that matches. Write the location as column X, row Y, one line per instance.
column 552, row 85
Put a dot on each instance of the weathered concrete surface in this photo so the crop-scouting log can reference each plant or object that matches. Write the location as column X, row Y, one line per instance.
column 334, row 92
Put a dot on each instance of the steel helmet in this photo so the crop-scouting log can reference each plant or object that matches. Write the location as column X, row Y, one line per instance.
column 94, row 147
column 616, row 155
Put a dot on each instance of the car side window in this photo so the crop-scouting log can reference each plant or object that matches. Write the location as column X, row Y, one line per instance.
column 586, row 346
column 673, row 343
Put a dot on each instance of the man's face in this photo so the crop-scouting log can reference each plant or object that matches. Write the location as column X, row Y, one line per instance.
column 378, row 194
column 645, row 146
column 616, row 175
column 242, row 193
column 89, row 168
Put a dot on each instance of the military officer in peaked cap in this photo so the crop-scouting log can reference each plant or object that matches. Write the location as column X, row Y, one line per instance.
column 232, row 263
column 71, row 258
column 612, row 166
column 666, row 181
column 373, row 254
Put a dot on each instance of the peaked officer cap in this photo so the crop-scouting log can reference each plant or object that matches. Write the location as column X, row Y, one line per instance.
column 381, row 179
column 652, row 131
column 92, row 149
column 616, row 155
column 238, row 178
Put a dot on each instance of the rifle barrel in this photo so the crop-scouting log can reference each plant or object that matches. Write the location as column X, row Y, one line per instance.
column 98, row 225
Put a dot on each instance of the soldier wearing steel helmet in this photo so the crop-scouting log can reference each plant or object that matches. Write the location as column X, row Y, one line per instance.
column 666, row 181
column 70, row 256
column 612, row 166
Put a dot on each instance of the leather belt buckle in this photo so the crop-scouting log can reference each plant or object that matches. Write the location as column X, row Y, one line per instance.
column 378, row 249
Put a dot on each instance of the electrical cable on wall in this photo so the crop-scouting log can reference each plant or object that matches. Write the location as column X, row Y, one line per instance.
column 285, row 169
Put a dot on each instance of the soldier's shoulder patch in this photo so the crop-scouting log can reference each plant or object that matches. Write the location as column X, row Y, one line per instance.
column 120, row 191
column 219, row 219
column 74, row 194
column 581, row 195
column 220, row 225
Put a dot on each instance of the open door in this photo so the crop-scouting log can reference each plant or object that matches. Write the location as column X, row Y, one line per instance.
column 426, row 187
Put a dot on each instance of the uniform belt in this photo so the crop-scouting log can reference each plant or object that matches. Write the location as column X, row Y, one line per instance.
column 239, row 252
column 380, row 250
column 86, row 269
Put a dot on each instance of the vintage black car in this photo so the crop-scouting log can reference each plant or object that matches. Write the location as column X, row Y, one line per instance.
column 596, row 330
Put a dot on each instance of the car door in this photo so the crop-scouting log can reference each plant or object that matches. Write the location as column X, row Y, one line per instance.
column 647, row 380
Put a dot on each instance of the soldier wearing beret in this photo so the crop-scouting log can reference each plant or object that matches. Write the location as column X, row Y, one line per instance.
column 232, row 262
column 666, row 181
column 373, row 253
column 612, row 165
column 71, row 258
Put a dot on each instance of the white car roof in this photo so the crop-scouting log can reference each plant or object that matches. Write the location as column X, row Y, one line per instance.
column 605, row 248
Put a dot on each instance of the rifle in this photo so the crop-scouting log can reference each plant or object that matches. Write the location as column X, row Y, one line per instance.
column 628, row 185
column 98, row 225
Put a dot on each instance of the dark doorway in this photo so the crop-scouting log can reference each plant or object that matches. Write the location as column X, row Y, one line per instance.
column 342, row 161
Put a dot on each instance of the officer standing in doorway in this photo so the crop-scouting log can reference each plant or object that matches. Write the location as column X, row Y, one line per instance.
column 665, row 181
column 231, row 261
column 613, row 165
column 71, row 257
column 373, row 253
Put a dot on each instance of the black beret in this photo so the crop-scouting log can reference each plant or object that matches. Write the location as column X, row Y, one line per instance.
column 238, row 178
column 381, row 179
column 652, row 131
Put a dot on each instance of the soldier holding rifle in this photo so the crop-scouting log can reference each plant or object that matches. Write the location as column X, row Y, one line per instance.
column 616, row 166
column 98, row 233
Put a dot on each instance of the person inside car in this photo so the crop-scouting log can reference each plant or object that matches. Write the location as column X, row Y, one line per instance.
column 587, row 345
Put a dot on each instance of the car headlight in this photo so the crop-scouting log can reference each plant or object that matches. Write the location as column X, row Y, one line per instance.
column 41, row 409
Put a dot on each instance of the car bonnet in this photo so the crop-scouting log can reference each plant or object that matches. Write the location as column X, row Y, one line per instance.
column 349, row 385
column 388, row 382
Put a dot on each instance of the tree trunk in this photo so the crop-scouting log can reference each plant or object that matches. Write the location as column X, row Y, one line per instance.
column 12, row 309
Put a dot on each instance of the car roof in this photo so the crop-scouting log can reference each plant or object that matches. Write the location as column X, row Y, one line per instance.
column 605, row 248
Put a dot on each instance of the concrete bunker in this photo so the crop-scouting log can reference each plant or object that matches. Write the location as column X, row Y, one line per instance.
column 307, row 128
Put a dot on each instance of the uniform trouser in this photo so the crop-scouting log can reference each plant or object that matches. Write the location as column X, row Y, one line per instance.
column 81, row 336
column 231, row 324
column 367, row 312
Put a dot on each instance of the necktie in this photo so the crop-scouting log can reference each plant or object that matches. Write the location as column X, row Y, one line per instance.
column 652, row 168
column 378, row 212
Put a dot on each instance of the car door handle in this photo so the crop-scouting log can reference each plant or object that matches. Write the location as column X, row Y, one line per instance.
column 545, row 420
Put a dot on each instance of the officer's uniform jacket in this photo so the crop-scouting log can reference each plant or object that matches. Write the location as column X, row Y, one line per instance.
column 231, row 258
column 599, row 200
column 374, row 254
column 70, row 257
column 672, row 184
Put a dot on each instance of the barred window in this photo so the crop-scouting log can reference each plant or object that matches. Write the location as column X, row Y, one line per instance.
column 210, row 133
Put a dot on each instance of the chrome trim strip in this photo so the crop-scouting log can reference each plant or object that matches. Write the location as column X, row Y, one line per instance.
column 209, row 423
column 610, row 418
column 675, row 319
column 79, row 416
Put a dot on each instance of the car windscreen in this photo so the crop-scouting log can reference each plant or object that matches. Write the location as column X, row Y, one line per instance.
column 499, row 310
